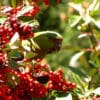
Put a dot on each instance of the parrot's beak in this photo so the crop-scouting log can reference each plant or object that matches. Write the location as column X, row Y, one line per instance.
column 57, row 45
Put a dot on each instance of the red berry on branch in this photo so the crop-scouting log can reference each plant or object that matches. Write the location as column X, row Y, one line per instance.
column 2, row 58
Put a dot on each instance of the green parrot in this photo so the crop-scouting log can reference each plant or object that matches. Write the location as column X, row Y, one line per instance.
column 41, row 44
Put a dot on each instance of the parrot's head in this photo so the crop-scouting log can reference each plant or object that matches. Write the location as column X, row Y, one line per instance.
column 49, row 40
column 56, row 39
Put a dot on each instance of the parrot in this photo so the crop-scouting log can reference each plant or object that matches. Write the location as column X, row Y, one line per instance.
column 43, row 43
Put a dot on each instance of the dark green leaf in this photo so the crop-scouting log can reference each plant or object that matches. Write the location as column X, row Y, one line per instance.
column 95, row 81
column 77, row 71
column 53, row 2
column 59, row 94
column 74, row 20
column 36, row 99
column 13, row 64
column 15, row 55
column 29, row 55
column 93, row 64
column 25, row 18
column 67, row 97
column 29, row 20
column 45, row 98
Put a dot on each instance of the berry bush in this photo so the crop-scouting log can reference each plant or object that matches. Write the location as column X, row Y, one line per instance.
column 22, row 48
column 29, row 32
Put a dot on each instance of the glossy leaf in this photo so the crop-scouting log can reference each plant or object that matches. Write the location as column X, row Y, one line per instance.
column 29, row 20
column 2, row 20
column 13, row 64
column 97, row 91
column 97, row 23
column 77, row 71
column 95, row 80
column 74, row 20
column 68, row 97
column 14, row 54
column 25, row 18
column 74, row 59
column 30, row 55
column 24, row 10
column 94, row 5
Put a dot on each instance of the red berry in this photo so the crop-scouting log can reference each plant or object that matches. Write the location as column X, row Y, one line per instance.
column 2, row 58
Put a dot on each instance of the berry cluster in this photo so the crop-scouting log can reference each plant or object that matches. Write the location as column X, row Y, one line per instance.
column 55, row 79
column 2, row 58
column 18, row 85
column 13, row 25
column 30, row 79
column 57, row 82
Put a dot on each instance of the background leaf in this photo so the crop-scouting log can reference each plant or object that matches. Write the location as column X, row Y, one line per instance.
column 97, row 91
column 68, row 97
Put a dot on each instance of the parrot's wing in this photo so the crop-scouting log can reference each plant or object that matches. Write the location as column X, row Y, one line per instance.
column 42, row 44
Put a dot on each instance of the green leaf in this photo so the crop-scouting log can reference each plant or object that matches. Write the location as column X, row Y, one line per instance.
column 94, row 5
column 80, row 82
column 95, row 80
column 13, row 64
column 36, row 99
column 74, row 60
column 29, row 20
column 68, row 97
column 15, row 42
column 2, row 20
column 24, row 10
column 59, row 94
column 15, row 55
column 74, row 20
column 78, row 1
column 34, row 23
column 93, row 64
column 25, row 18
column 53, row 2
column 77, row 71
column 97, row 91
column 97, row 23
column 95, row 58
column 26, row 45
column 29, row 55
column 45, row 98
column 95, row 13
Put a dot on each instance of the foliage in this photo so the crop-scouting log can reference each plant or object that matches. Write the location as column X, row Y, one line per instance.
column 27, row 53
column 79, row 55
column 23, row 76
